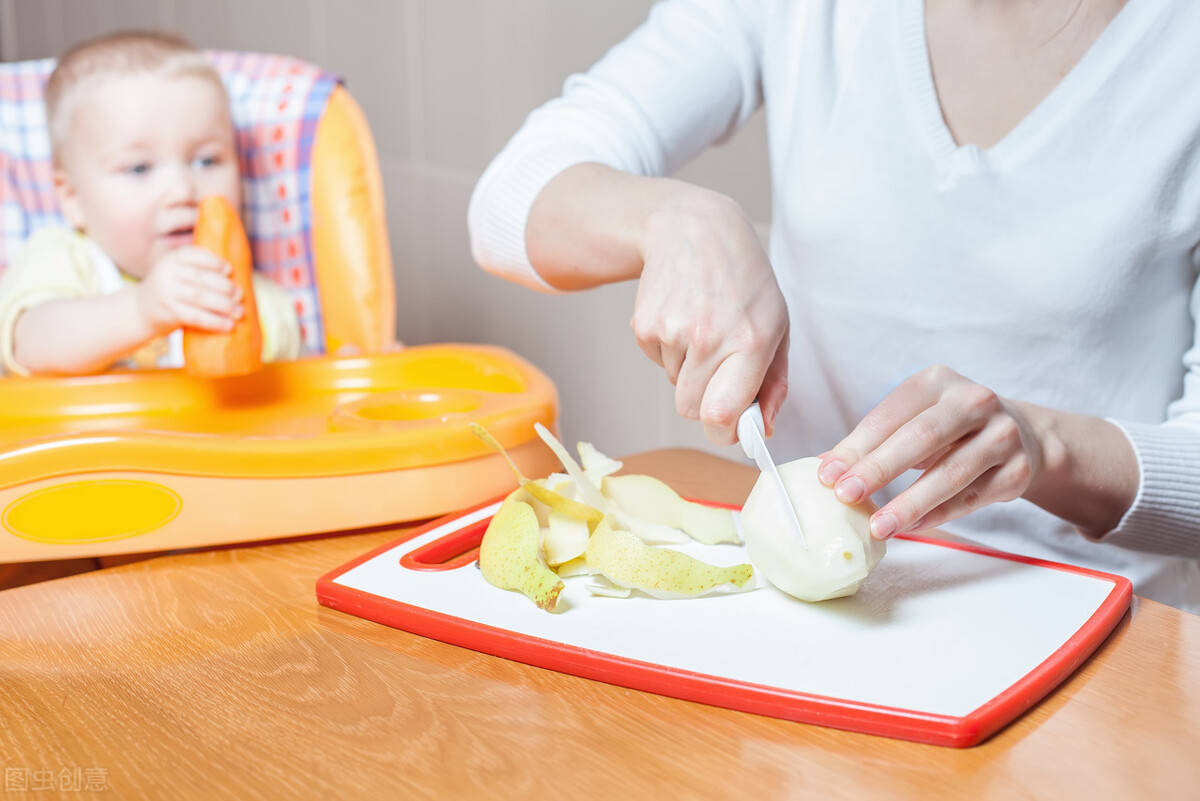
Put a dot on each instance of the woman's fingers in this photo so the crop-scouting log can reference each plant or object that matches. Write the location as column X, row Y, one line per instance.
column 932, row 431
column 672, row 358
column 924, row 415
column 694, row 376
column 910, row 398
column 997, row 484
column 953, row 475
column 774, row 387
column 733, row 386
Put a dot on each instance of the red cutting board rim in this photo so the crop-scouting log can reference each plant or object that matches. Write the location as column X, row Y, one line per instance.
column 906, row 724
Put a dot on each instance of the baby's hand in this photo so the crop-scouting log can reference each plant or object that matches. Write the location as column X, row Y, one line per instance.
column 190, row 287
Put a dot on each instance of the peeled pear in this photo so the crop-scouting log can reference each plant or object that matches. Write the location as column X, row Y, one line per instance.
column 650, row 499
column 841, row 552
column 626, row 561
column 509, row 558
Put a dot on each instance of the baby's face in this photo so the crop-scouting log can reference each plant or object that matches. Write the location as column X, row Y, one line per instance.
column 140, row 153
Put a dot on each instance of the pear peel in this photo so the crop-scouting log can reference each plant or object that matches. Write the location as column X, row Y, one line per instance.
column 623, row 559
column 602, row 586
column 649, row 532
column 564, row 539
column 652, row 500
column 508, row 554
column 587, row 489
column 555, row 500
column 542, row 534
column 575, row 567
column 596, row 465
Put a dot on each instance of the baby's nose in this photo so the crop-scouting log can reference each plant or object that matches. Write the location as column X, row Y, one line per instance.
column 180, row 186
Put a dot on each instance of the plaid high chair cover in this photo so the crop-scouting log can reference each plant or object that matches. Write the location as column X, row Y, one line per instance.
column 277, row 102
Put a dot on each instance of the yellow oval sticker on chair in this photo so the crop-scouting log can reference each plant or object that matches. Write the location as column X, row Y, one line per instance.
column 92, row 511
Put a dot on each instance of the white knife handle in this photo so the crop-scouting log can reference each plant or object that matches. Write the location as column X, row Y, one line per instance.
column 748, row 421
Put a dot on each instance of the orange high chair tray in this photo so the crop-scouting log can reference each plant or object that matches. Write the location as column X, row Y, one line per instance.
column 145, row 461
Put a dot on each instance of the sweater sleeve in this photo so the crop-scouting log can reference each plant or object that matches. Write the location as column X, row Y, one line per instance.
column 1165, row 514
column 688, row 77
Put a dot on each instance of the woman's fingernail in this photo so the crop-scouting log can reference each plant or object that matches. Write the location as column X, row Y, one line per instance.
column 883, row 526
column 830, row 472
column 850, row 490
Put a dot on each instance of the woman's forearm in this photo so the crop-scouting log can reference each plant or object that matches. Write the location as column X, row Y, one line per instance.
column 1090, row 476
column 77, row 336
column 588, row 225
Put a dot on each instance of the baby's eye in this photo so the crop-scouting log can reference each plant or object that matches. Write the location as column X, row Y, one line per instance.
column 205, row 162
column 141, row 168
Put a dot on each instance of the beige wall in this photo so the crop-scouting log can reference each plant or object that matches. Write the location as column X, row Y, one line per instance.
column 444, row 83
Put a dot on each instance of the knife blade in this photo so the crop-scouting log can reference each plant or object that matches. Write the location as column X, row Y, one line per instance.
column 751, row 434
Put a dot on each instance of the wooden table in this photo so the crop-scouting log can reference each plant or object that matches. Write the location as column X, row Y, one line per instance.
column 217, row 675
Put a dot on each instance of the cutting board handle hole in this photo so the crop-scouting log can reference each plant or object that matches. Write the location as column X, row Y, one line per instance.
column 452, row 551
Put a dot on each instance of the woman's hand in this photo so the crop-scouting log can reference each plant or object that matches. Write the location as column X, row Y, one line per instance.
column 708, row 308
column 975, row 447
column 709, row 311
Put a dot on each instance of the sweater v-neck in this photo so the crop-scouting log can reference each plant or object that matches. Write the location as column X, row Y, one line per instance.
column 1054, row 110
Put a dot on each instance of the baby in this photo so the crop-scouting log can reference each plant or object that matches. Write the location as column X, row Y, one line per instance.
column 140, row 131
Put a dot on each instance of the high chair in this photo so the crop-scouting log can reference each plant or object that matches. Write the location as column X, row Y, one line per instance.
column 136, row 461
column 313, row 197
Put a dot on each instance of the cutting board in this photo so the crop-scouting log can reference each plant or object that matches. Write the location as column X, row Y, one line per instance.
column 945, row 643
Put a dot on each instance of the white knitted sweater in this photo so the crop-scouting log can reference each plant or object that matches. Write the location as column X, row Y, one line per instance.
column 1058, row 266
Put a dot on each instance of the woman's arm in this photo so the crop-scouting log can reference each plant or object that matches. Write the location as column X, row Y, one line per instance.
column 573, row 202
column 1090, row 472
column 707, row 310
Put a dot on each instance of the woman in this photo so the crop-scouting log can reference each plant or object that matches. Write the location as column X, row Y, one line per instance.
column 983, row 249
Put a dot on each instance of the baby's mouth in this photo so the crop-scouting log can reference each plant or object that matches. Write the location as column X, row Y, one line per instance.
column 180, row 236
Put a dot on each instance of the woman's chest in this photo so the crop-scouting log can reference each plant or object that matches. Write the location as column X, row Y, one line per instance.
column 993, row 63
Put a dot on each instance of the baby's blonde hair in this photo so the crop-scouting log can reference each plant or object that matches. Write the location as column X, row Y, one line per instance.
column 119, row 53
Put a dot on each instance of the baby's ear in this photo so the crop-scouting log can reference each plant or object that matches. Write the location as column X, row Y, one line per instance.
column 68, row 198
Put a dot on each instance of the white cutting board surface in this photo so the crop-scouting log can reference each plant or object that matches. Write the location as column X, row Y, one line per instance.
column 934, row 629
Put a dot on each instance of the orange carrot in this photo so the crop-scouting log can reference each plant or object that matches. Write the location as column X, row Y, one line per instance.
column 210, row 353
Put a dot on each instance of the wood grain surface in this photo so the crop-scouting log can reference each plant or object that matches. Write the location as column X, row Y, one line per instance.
column 217, row 675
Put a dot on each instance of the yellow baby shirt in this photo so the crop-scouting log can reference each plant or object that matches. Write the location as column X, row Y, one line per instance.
column 59, row 263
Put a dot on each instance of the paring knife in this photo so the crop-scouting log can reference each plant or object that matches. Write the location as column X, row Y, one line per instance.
column 751, row 433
